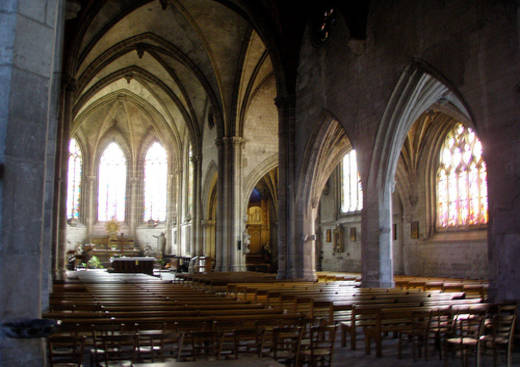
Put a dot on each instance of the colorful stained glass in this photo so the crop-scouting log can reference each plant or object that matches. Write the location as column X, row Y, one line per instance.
column 461, row 181
column 112, row 184
column 351, row 191
column 74, row 180
column 155, row 183
column 190, row 182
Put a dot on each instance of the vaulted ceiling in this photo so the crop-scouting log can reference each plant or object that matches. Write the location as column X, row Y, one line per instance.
column 168, row 66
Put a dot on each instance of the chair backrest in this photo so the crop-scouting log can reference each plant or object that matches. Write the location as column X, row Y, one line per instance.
column 286, row 343
column 323, row 337
column 504, row 326
column 117, row 347
column 65, row 349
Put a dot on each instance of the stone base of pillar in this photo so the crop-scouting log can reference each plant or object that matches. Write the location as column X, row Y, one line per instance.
column 238, row 268
column 309, row 276
column 60, row 274
column 377, row 284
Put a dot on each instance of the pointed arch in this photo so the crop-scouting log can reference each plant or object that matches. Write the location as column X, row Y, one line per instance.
column 111, row 181
column 256, row 175
column 419, row 88
column 324, row 150
column 210, row 180
column 74, row 179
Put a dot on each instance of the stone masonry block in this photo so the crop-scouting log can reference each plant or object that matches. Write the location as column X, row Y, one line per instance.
column 33, row 49
column 8, row 26
column 34, row 9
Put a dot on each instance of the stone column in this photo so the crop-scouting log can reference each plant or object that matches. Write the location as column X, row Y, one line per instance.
column 208, row 230
column 229, row 250
column 133, row 197
column 28, row 70
column 376, row 238
column 286, row 188
column 62, row 175
column 196, row 235
column 91, row 204
column 170, row 214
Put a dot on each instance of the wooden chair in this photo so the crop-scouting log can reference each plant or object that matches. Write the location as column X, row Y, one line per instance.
column 97, row 351
column 119, row 350
column 416, row 332
column 149, row 341
column 500, row 335
column 438, row 327
column 285, row 345
column 464, row 338
column 248, row 339
column 321, row 347
column 65, row 351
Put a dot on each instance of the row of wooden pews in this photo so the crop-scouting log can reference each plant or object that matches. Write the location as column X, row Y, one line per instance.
column 152, row 319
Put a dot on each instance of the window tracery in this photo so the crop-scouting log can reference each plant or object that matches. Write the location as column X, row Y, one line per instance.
column 461, row 181
column 155, row 183
column 112, row 184
column 351, row 191
column 74, row 180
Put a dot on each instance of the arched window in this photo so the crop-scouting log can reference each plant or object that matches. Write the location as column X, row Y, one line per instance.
column 461, row 181
column 189, row 208
column 112, row 184
column 351, row 192
column 155, row 182
column 74, row 180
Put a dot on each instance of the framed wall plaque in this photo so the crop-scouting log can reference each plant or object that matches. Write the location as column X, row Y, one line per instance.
column 414, row 230
column 353, row 234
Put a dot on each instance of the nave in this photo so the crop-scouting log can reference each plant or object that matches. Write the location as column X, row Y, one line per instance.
column 220, row 317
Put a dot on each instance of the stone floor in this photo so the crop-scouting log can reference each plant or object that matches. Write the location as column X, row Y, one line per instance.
column 346, row 357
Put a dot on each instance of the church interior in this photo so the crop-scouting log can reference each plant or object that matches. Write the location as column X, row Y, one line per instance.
column 363, row 145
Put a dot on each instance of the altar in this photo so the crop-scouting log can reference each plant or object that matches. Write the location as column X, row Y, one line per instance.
column 113, row 246
column 133, row 265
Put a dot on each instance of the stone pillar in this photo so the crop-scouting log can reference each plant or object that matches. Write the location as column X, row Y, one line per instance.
column 29, row 40
column 503, row 167
column 376, row 237
column 286, row 188
column 171, row 213
column 208, row 231
column 229, row 252
column 196, row 235
column 62, row 175
column 133, row 199
column 91, row 205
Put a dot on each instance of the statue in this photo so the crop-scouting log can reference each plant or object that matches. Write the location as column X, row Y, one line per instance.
column 161, row 243
column 246, row 239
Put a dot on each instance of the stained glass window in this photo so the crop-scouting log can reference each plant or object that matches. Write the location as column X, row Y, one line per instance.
column 74, row 180
column 155, row 182
column 351, row 192
column 112, row 184
column 461, row 181
column 190, row 182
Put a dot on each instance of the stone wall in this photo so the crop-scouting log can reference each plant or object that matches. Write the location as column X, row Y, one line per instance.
column 459, row 254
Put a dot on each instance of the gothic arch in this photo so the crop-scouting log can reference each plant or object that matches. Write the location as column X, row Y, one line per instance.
column 323, row 152
column 256, row 175
column 419, row 88
column 207, row 189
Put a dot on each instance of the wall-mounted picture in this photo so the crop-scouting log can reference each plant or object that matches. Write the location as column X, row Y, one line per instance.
column 353, row 234
column 329, row 235
column 414, row 230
